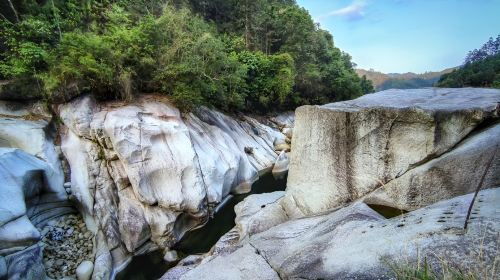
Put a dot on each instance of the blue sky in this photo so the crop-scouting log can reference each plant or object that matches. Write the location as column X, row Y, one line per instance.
column 407, row 35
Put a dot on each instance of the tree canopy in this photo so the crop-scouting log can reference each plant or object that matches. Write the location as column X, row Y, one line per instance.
column 481, row 68
column 258, row 55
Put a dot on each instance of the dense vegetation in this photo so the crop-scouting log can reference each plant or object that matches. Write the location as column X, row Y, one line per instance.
column 257, row 55
column 481, row 68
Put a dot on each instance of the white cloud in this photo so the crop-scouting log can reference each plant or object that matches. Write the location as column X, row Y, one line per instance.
column 355, row 11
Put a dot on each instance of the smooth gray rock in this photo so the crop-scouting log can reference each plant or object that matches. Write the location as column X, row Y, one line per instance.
column 17, row 234
column 280, row 167
column 103, row 263
column 84, row 270
column 3, row 268
column 134, row 229
column 454, row 173
column 26, row 264
column 26, row 181
column 259, row 212
column 244, row 263
column 343, row 151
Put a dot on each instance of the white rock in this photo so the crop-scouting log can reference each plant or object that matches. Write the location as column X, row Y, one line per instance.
column 141, row 170
column 244, row 263
column 3, row 268
column 171, row 256
column 355, row 242
column 345, row 150
column 84, row 270
column 280, row 167
column 288, row 131
column 258, row 213
column 27, row 127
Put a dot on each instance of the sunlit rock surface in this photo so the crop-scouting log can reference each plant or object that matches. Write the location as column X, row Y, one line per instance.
column 355, row 242
column 414, row 142
column 143, row 172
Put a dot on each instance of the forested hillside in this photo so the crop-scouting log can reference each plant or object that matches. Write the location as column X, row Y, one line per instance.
column 480, row 69
column 261, row 55
column 409, row 80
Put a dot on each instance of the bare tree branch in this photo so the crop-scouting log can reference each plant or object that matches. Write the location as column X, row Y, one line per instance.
column 479, row 186
column 13, row 10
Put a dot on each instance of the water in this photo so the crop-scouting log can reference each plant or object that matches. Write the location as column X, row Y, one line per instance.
column 151, row 266
column 387, row 211
column 203, row 239
column 144, row 267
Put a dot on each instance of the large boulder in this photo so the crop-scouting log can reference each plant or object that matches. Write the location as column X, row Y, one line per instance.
column 141, row 171
column 258, row 213
column 346, row 150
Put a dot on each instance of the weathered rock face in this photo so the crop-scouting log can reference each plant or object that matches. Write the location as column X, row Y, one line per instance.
column 356, row 242
column 29, row 127
column 30, row 193
column 142, row 172
column 411, row 141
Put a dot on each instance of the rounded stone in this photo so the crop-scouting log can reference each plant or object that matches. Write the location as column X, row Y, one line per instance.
column 171, row 256
column 84, row 270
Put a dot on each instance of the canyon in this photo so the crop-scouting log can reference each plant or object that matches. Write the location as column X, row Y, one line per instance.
column 121, row 179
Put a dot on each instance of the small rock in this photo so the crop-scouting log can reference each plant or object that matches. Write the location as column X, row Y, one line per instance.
column 84, row 270
column 288, row 132
column 282, row 147
column 171, row 256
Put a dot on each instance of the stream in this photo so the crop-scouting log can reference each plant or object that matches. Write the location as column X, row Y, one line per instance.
column 151, row 266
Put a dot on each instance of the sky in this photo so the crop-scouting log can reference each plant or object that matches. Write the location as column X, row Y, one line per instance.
column 397, row 36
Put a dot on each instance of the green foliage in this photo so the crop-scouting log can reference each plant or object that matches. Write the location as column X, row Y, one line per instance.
column 269, row 79
column 425, row 271
column 366, row 85
column 482, row 73
column 408, row 83
column 260, row 55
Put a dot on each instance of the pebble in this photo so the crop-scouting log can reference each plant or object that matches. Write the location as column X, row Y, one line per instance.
column 66, row 243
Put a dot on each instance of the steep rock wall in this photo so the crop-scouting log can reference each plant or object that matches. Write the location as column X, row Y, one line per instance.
column 143, row 172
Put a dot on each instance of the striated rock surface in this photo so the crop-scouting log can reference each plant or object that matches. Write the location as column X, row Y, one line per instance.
column 29, row 188
column 29, row 127
column 142, row 172
column 409, row 141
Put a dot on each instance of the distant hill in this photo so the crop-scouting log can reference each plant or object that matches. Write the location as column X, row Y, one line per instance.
column 382, row 81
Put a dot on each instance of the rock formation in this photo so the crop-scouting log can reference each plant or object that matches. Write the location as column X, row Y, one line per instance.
column 401, row 148
column 356, row 242
column 412, row 150
column 143, row 173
